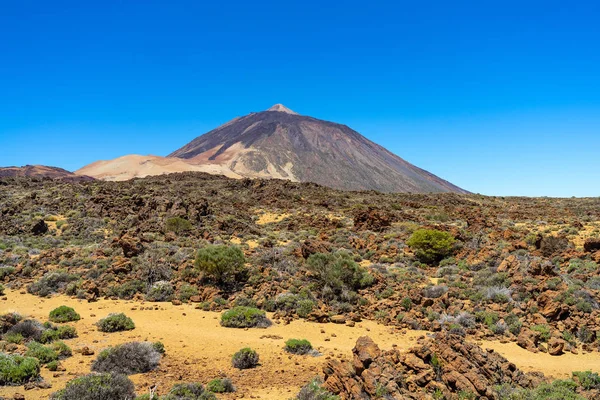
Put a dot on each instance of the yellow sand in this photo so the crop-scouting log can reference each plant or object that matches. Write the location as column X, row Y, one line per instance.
column 198, row 348
column 268, row 218
column 552, row 366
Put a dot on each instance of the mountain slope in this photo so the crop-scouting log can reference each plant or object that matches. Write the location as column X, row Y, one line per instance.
column 280, row 143
column 138, row 166
column 41, row 171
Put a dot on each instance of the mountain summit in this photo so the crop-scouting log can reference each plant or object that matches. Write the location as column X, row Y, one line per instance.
column 280, row 143
column 282, row 108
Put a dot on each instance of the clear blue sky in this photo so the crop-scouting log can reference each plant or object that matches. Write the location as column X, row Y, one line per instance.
column 501, row 98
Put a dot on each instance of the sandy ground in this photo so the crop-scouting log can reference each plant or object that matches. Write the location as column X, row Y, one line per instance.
column 198, row 348
column 553, row 366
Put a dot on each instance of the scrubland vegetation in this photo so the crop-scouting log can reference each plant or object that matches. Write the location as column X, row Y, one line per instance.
column 512, row 269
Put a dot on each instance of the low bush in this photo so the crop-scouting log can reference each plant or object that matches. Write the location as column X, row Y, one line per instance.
column 430, row 245
column 186, row 291
column 298, row 346
column 128, row 358
column 498, row 294
column 338, row 273
column 220, row 262
column 127, row 290
column 53, row 366
column 544, row 331
column 43, row 353
column 433, row 292
column 15, row 338
column 62, row 349
column 159, row 347
column 97, row 386
column 245, row 317
column 29, row 329
column 17, row 370
column 6, row 271
column 178, row 225
column 160, row 291
column 245, row 358
column 51, row 282
column 553, row 245
column 301, row 303
column 64, row 314
column 314, row 391
column 587, row 379
column 55, row 333
column 220, row 386
column 189, row 391
column 560, row 389
column 9, row 320
column 115, row 323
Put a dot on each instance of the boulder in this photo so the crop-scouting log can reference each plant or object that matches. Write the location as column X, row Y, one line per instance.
column 529, row 340
column 556, row 346
column 39, row 228
column 591, row 245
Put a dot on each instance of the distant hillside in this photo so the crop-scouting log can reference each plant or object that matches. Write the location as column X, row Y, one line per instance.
column 41, row 171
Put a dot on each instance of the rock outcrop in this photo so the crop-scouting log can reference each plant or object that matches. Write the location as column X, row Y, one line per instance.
column 444, row 363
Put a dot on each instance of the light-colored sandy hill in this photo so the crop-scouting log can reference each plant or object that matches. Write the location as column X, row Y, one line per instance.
column 138, row 166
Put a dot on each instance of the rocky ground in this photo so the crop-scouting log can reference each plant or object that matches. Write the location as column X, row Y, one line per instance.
column 519, row 270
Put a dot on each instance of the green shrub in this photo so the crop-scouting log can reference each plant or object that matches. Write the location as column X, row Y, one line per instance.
column 186, row 291
column 62, row 349
column 64, row 314
column 159, row 347
column 97, row 386
column 178, row 225
column 338, row 272
column 53, row 365
column 298, row 346
column 557, row 390
column 189, row 391
column 588, row 379
column 51, row 282
column 160, row 291
column 43, row 353
column 6, row 271
column 406, row 303
column 116, row 323
column 314, row 391
column 127, row 290
column 489, row 318
column 304, row 307
column 127, row 358
column 17, row 370
column 220, row 386
column 430, row 245
column 544, row 331
column 15, row 338
column 220, row 262
column 62, row 332
column 245, row 317
column 245, row 358
column 1, row 290
column 302, row 303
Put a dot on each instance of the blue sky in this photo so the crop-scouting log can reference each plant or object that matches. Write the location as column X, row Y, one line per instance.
column 501, row 98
